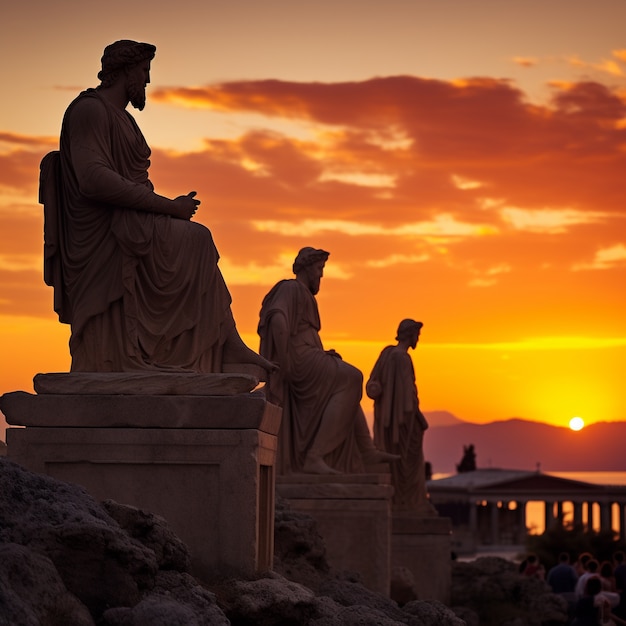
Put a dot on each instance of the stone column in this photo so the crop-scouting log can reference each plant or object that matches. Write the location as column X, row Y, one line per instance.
column 605, row 516
column 548, row 514
column 473, row 516
column 578, row 513
column 494, row 522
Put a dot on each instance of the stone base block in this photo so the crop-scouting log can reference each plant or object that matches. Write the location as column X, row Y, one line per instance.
column 206, row 464
column 423, row 545
column 353, row 514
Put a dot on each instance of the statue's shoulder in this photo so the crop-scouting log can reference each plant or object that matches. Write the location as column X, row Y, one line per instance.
column 283, row 288
column 87, row 103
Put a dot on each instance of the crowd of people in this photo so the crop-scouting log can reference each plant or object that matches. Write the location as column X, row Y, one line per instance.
column 595, row 591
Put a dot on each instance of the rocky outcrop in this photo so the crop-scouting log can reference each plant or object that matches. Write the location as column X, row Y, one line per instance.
column 494, row 590
column 67, row 559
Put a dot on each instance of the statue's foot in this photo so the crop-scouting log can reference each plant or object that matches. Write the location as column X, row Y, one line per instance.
column 379, row 456
column 317, row 465
column 236, row 351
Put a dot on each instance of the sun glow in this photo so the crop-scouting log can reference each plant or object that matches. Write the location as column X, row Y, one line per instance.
column 576, row 423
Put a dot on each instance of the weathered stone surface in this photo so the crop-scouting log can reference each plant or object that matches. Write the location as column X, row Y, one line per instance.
column 153, row 532
column 97, row 561
column 402, row 588
column 299, row 550
column 242, row 411
column 271, row 600
column 432, row 613
column 493, row 586
column 349, row 592
column 144, row 383
column 32, row 592
column 176, row 600
column 48, row 527
column 76, row 560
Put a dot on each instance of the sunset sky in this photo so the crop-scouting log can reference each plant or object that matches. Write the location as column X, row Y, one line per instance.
column 463, row 161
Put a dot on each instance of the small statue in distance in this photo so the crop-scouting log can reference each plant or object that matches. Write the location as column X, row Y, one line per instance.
column 468, row 462
column 399, row 424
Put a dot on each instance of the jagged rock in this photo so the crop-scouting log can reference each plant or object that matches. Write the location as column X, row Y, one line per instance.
column 154, row 532
column 466, row 614
column 97, row 561
column 357, row 616
column 92, row 557
column 402, row 585
column 432, row 613
column 176, row 600
column 269, row 601
column 32, row 592
column 299, row 550
column 348, row 592
column 491, row 586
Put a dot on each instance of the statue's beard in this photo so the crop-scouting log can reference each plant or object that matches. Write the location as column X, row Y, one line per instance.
column 137, row 94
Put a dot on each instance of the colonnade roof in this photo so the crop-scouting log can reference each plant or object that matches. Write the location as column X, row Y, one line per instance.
column 519, row 482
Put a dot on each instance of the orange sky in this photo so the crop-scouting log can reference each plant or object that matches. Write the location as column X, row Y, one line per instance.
column 464, row 165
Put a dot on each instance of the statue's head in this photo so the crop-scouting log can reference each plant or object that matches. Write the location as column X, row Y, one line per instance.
column 309, row 267
column 117, row 61
column 409, row 329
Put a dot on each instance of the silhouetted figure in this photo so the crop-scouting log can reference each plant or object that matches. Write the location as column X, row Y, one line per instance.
column 399, row 424
column 619, row 574
column 323, row 430
column 562, row 577
column 468, row 462
column 137, row 280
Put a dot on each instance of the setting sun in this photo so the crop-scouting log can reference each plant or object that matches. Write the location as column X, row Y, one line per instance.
column 576, row 423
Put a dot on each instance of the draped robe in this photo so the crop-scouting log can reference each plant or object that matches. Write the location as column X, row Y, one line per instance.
column 399, row 428
column 316, row 377
column 141, row 290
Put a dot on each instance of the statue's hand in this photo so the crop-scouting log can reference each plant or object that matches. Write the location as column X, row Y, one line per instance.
column 185, row 206
column 373, row 389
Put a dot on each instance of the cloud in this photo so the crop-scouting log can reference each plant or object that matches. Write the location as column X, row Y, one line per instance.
column 398, row 259
column 549, row 221
column 526, row 61
column 605, row 66
column 441, row 184
column 443, row 226
column 606, row 258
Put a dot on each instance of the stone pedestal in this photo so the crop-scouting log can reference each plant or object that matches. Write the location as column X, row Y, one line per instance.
column 423, row 546
column 353, row 514
column 204, row 463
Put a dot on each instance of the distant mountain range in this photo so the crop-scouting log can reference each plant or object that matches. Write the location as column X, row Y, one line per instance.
column 521, row 444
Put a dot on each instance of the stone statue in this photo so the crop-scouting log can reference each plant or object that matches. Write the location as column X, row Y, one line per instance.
column 399, row 424
column 136, row 279
column 468, row 462
column 323, row 428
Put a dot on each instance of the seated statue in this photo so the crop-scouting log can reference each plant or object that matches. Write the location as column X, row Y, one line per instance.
column 136, row 279
column 399, row 424
column 323, row 429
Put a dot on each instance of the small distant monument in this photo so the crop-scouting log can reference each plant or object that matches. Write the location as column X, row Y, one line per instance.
column 468, row 461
